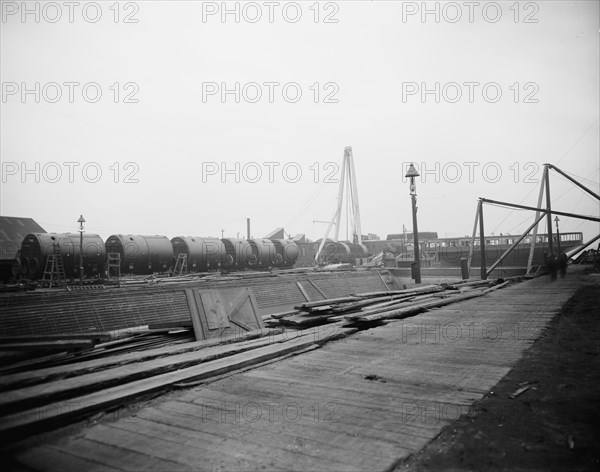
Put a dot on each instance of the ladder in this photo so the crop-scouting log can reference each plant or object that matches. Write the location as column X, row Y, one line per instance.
column 113, row 262
column 54, row 272
column 180, row 264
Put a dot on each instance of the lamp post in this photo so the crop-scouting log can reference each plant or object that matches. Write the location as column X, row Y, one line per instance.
column 411, row 174
column 81, row 220
column 556, row 220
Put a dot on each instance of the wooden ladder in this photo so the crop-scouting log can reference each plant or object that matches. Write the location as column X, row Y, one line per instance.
column 180, row 264
column 54, row 272
column 113, row 261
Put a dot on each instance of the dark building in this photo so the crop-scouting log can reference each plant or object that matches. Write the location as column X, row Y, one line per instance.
column 12, row 233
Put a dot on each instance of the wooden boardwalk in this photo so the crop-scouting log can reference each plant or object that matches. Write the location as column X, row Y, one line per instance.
column 361, row 403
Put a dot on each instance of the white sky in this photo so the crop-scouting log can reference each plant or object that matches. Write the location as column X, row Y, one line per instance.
column 171, row 134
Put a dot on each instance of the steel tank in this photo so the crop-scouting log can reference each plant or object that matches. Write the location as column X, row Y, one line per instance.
column 238, row 254
column 286, row 252
column 358, row 251
column 140, row 254
column 263, row 252
column 342, row 252
column 333, row 252
column 36, row 247
column 203, row 254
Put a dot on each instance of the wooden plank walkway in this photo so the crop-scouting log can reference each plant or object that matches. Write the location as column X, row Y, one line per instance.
column 362, row 403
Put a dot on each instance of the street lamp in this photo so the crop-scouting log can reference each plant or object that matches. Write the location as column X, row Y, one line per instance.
column 411, row 174
column 556, row 220
column 81, row 220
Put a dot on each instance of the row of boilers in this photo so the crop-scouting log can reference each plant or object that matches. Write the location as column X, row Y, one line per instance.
column 141, row 255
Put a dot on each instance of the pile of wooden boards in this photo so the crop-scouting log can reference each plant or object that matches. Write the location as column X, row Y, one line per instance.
column 376, row 306
column 18, row 353
column 38, row 399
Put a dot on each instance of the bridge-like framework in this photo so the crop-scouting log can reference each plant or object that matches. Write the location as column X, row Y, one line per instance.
column 540, row 213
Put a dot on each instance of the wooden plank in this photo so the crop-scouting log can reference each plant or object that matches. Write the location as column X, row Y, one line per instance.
column 216, row 316
column 197, row 321
column 328, row 301
column 183, row 323
column 115, row 455
column 177, row 447
column 17, row 423
column 264, row 427
column 43, row 393
column 284, row 314
column 224, row 443
column 422, row 289
column 304, row 294
column 97, row 337
column 64, row 345
column 31, row 377
column 44, row 456
column 413, row 309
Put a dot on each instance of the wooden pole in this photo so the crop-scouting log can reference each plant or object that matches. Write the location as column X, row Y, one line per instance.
column 548, row 214
column 537, row 215
column 472, row 247
column 482, row 241
column 416, row 239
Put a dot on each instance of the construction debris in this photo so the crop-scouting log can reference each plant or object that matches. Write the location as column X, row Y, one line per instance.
column 518, row 392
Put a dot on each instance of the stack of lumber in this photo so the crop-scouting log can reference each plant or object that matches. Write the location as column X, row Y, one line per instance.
column 19, row 353
column 37, row 399
column 377, row 306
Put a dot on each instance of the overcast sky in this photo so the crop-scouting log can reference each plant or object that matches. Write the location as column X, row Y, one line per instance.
column 517, row 86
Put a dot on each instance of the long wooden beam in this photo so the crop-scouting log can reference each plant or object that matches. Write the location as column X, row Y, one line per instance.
column 543, row 210
column 581, row 186
column 482, row 241
column 548, row 212
column 500, row 259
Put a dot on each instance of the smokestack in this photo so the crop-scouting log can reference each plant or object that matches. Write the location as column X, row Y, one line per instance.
column 248, row 225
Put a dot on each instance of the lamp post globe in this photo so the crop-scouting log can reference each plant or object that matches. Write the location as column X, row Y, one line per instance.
column 556, row 220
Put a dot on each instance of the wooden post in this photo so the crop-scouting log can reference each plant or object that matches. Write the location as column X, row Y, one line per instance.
column 472, row 246
column 535, row 228
column 416, row 240
column 482, row 242
column 549, row 214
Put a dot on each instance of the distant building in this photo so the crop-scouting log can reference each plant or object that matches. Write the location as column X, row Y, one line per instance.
column 12, row 233
column 423, row 236
column 277, row 233
column 370, row 237
column 300, row 238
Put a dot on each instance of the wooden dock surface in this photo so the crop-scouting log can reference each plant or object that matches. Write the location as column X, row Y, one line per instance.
column 361, row 403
